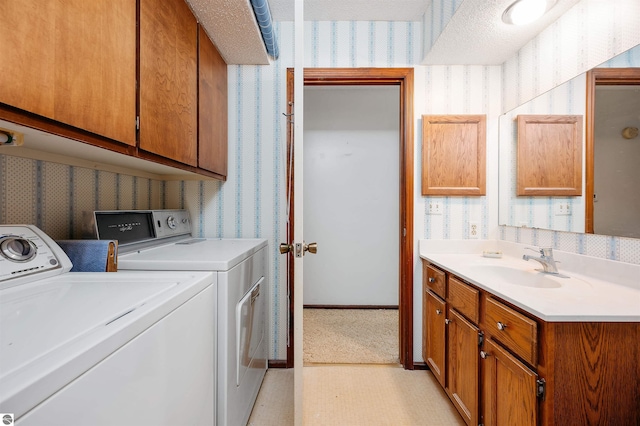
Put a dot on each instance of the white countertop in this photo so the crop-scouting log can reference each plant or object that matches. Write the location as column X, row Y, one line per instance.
column 597, row 289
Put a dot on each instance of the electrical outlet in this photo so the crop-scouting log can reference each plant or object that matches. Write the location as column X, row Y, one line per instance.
column 474, row 230
column 563, row 208
column 435, row 207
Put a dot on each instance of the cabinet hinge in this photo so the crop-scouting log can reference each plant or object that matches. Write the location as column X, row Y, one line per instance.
column 138, row 123
column 541, row 388
column 480, row 338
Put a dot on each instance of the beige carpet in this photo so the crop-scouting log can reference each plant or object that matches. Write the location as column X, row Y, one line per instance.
column 356, row 396
column 351, row 336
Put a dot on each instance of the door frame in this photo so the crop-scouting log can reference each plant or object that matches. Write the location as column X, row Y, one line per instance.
column 402, row 77
column 599, row 77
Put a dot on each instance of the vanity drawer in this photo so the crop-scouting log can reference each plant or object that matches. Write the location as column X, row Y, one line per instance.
column 435, row 280
column 518, row 332
column 464, row 298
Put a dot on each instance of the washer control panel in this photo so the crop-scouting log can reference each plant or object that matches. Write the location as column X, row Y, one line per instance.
column 26, row 250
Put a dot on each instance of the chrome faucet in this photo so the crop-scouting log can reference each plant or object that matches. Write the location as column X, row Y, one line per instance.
column 545, row 259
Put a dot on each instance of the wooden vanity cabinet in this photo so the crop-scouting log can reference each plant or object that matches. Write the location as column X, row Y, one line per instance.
column 433, row 339
column 526, row 371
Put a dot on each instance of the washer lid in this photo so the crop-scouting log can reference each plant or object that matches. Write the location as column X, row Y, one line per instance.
column 56, row 328
column 193, row 254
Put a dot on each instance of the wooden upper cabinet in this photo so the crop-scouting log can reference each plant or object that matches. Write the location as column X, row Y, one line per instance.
column 549, row 155
column 212, row 107
column 74, row 62
column 453, row 155
column 168, row 80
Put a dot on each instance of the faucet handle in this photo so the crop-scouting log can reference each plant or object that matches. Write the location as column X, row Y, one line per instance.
column 546, row 251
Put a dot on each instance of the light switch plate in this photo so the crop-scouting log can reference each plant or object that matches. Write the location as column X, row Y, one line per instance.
column 562, row 208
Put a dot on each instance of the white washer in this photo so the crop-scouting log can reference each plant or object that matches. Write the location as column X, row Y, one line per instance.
column 101, row 348
column 160, row 240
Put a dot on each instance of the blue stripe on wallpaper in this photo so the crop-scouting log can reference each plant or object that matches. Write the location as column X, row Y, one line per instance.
column 257, row 164
column 277, row 123
column 410, row 43
column 71, row 204
column 334, row 44
column 314, row 43
column 3, row 194
column 352, row 43
column 39, row 204
column 182, row 194
column 390, row 44
column 118, row 192
column 135, row 192
column 220, row 212
column 201, row 223
column 96, row 190
column 239, row 141
column 372, row 43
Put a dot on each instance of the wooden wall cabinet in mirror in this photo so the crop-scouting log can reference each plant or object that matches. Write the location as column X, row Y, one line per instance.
column 549, row 155
column 453, row 155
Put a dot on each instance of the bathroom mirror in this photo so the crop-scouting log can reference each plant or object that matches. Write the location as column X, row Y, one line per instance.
column 568, row 213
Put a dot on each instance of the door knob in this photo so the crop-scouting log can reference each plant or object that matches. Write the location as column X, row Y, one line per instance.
column 285, row 248
column 311, row 248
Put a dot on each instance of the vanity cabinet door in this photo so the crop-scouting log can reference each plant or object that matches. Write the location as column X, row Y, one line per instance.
column 433, row 336
column 508, row 389
column 462, row 369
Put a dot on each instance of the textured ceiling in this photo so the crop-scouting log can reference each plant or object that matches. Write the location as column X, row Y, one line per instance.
column 352, row 10
column 477, row 35
column 232, row 26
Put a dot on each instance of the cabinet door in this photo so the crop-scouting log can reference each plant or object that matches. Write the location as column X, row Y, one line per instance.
column 168, row 80
column 508, row 389
column 212, row 107
column 433, row 340
column 462, row 369
column 72, row 61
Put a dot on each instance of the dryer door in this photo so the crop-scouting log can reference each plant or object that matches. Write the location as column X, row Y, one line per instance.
column 249, row 327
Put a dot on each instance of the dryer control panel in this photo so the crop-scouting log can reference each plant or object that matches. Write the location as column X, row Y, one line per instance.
column 25, row 250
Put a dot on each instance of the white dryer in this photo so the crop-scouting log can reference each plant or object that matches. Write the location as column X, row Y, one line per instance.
column 161, row 240
column 101, row 348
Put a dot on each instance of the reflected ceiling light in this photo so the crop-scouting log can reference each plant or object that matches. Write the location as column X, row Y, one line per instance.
column 524, row 11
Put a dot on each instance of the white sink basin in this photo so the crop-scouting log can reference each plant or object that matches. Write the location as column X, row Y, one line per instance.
column 530, row 277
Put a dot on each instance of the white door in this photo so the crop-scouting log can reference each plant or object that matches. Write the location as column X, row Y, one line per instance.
column 298, row 208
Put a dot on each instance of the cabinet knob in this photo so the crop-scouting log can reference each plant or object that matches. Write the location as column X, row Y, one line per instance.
column 501, row 326
column 484, row 355
column 438, row 311
column 447, row 321
column 432, row 280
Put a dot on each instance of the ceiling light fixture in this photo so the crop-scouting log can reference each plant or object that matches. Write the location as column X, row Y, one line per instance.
column 522, row 12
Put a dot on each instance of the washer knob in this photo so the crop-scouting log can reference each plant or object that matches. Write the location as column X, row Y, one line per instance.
column 171, row 222
column 17, row 249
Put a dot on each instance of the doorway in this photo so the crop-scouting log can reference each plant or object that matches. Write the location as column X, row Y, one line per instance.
column 623, row 79
column 403, row 78
column 351, row 286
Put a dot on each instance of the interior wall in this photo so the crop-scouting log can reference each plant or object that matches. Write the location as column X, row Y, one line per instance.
column 585, row 36
column 59, row 199
column 351, row 195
